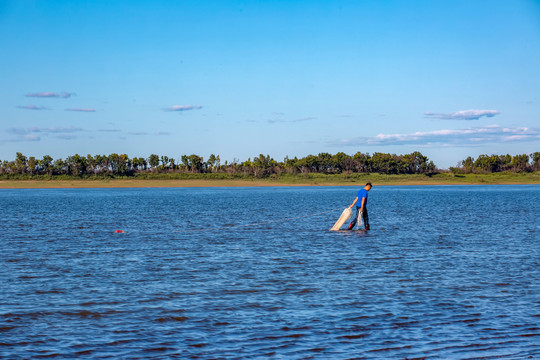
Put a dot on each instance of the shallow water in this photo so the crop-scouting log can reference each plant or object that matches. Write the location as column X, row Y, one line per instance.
column 449, row 272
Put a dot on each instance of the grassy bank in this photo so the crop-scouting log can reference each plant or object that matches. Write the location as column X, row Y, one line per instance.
column 226, row 180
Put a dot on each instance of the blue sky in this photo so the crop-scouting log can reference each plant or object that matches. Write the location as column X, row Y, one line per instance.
column 240, row 78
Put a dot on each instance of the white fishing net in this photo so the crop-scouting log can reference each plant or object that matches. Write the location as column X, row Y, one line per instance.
column 345, row 215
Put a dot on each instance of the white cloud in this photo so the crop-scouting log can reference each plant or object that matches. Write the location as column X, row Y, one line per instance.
column 274, row 121
column 66, row 136
column 137, row 133
column 23, row 138
column 34, row 133
column 33, row 107
column 460, row 137
column 182, row 107
column 63, row 95
column 158, row 133
column 82, row 109
column 462, row 115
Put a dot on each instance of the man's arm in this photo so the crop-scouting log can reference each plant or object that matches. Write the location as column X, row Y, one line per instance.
column 354, row 202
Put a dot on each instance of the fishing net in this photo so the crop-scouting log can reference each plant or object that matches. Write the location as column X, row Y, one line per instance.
column 345, row 215
column 360, row 219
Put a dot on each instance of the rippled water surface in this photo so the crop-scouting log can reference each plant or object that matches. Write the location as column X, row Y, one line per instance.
column 446, row 272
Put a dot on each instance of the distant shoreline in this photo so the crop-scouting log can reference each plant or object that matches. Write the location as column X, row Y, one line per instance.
column 198, row 180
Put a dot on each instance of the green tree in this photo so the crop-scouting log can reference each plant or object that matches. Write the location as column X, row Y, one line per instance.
column 362, row 162
column 139, row 163
column 290, row 165
column 263, row 164
column 32, row 165
column 120, row 164
column 103, row 163
column 164, row 161
column 153, row 161
column 59, row 167
column 76, row 165
column 468, row 164
column 91, row 164
column 143, row 162
column 488, row 163
column 384, row 163
column 193, row 163
column 10, row 167
column 520, row 162
column 535, row 157
column 505, row 162
column 47, row 164
column 417, row 163
column 212, row 162
column 342, row 162
column 325, row 163
column 247, row 166
column 20, row 163
column 309, row 163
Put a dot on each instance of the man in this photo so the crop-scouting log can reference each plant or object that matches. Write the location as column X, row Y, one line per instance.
column 361, row 202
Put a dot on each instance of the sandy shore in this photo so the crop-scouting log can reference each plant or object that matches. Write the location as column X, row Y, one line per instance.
column 139, row 183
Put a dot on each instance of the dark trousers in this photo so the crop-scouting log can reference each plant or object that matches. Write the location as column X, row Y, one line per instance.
column 364, row 217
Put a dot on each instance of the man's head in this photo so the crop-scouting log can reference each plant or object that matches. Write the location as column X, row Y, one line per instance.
column 368, row 186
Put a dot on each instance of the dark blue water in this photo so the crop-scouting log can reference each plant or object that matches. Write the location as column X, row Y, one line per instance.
column 446, row 272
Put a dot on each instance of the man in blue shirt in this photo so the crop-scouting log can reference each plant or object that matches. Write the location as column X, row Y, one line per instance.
column 361, row 202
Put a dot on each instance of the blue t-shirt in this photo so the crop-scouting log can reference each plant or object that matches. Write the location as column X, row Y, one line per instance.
column 362, row 193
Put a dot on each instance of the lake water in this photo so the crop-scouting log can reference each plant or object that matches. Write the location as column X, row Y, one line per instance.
column 448, row 272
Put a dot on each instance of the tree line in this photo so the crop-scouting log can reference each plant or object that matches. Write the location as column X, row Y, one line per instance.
column 260, row 166
column 498, row 163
